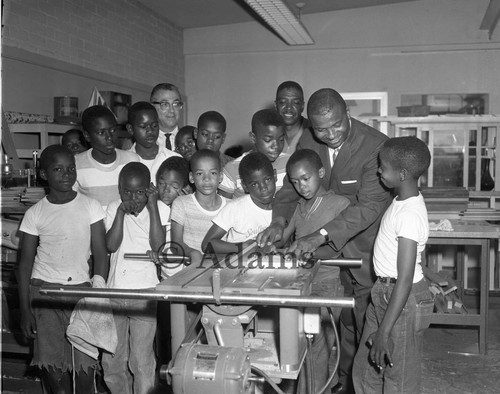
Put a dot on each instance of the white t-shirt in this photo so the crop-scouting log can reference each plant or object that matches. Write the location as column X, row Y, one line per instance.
column 407, row 219
column 187, row 211
column 154, row 164
column 64, row 232
column 242, row 219
column 133, row 274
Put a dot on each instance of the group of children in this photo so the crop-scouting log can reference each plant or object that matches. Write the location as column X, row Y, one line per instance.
column 104, row 203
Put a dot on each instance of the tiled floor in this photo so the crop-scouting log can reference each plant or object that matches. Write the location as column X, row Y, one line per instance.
column 450, row 363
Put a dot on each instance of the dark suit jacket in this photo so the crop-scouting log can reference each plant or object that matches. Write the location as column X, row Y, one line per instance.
column 354, row 175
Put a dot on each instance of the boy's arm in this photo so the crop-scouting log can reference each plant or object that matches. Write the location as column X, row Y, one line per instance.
column 214, row 237
column 287, row 234
column 114, row 236
column 156, row 230
column 177, row 233
column 380, row 352
column 98, row 247
column 29, row 245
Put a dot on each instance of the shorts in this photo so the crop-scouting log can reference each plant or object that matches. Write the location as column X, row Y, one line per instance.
column 51, row 348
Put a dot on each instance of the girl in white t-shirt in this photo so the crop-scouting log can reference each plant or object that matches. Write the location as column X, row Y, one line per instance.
column 58, row 234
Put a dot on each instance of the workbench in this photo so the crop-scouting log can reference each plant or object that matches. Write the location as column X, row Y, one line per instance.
column 465, row 233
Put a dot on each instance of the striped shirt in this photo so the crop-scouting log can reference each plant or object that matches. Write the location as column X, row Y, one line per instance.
column 100, row 181
column 231, row 183
column 187, row 211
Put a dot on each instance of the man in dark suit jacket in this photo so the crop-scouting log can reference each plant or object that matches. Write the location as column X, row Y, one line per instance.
column 349, row 151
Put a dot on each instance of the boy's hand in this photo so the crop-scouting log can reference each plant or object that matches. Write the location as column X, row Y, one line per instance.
column 380, row 355
column 271, row 234
column 152, row 193
column 154, row 256
column 129, row 207
column 28, row 325
column 186, row 190
column 305, row 247
column 196, row 257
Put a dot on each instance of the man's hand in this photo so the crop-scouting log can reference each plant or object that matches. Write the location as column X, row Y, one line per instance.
column 152, row 193
column 380, row 355
column 306, row 246
column 271, row 234
column 28, row 325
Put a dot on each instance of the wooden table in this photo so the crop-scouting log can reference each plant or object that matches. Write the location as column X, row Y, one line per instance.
column 469, row 233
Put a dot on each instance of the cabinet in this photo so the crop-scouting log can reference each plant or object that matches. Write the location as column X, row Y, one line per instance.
column 463, row 148
column 28, row 137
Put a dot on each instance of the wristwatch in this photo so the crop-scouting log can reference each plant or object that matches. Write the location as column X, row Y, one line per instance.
column 324, row 233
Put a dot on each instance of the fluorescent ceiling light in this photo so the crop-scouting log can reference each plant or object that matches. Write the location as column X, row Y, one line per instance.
column 491, row 17
column 279, row 17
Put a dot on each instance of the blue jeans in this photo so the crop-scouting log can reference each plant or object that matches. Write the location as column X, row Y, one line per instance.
column 132, row 368
column 405, row 340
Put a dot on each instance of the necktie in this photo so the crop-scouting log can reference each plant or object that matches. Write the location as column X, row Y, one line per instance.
column 334, row 156
column 168, row 144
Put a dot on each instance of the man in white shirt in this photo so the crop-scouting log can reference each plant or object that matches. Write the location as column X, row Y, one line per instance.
column 167, row 100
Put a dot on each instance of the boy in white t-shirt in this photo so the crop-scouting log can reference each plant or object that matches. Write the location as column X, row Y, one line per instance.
column 388, row 359
column 135, row 224
column 191, row 215
column 98, row 168
column 59, row 232
column 242, row 219
column 144, row 127
column 172, row 180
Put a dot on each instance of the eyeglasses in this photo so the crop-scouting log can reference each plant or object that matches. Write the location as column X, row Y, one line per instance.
column 164, row 105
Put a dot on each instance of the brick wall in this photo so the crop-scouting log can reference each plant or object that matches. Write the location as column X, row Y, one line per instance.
column 117, row 37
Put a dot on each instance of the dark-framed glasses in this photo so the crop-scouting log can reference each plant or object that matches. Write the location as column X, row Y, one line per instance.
column 164, row 105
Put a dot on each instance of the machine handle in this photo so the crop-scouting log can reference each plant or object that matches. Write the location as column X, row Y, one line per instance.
column 343, row 263
column 165, row 258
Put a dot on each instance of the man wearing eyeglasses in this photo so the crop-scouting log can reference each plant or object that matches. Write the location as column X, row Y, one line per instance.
column 167, row 100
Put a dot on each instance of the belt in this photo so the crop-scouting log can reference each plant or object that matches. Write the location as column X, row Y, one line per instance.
column 386, row 279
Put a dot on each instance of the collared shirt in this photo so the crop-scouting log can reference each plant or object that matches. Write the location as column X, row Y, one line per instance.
column 333, row 153
column 162, row 136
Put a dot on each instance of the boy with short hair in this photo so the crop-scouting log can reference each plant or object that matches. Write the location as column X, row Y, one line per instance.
column 243, row 218
column 74, row 140
column 268, row 137
column 316, row 208
column 185, row 143
column 211, row 133
column 172, row 180
column 388, row 359
column 98, row 168
column 59, row 233
column 144, row 127
column 192, row 215
column 135, row 224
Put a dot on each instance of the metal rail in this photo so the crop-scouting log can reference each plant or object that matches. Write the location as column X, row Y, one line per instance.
column 208, row 298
